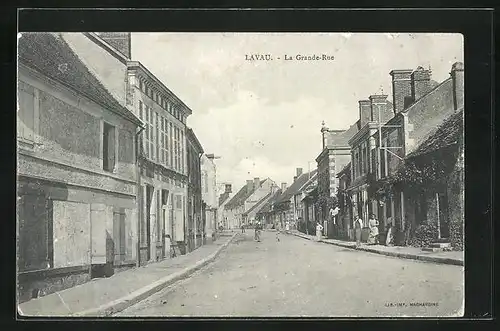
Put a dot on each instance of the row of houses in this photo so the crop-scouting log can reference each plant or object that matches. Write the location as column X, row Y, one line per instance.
column 109, row 174
column 402, row 161
column 405, row 161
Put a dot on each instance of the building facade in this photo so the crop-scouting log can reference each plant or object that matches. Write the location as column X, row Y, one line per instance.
column 335, row 155
column 420, row 107
column 209, row 192
column 372, row 114
column 77, row 180
column 195, row 225
column 162, row 195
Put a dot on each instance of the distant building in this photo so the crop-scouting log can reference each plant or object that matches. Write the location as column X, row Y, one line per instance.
column 224, row 198
column 77, row 179
column 289, row 206
column 244, row 199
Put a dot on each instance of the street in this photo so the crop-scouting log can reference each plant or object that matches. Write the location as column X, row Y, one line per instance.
column 297, row 277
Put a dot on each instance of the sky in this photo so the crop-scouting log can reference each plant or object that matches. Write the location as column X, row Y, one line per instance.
column 263, row 118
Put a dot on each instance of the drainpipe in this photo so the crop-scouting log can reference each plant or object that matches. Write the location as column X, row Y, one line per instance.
column 138, row 174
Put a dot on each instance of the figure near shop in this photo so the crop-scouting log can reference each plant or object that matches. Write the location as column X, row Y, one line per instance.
column 358, row 225
column 373, row 225
column 319, row 229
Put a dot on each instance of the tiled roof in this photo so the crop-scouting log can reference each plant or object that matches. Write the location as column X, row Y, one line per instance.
column 295, row 187
column 50, row 55
column 240, row 197
column 259, row 204
column 267, row 206
column 444, row 135
column 337, row 138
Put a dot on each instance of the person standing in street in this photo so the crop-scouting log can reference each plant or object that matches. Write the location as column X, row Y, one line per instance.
column 389, row 236
column 242, row 228
column 319, row 228
column 373, row 225
column 258, row 229
column 358, row 225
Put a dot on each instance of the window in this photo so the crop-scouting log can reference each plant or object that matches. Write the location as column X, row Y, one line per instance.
column 151, row 134
column 157, row 137
column 26, row 113
column 141, row 85
column 182, row 151
column 108, row 143
column 171, row 138
column 162, row 140
column 146, row 90
column 360, row 162
column 365, row 160
column 141, row 105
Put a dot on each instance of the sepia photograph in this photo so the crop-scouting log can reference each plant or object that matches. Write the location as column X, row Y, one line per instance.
column 240, row 174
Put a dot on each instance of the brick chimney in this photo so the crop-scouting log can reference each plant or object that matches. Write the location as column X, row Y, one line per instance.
column 256, row 183
column 324, row 135
column 401, row 89
column 121, row 41
column 457, row 75
column 364, row 112
column 228, row 188
column 378, row 105
column 420, row 83
column 249, row 185
column 283, row 187
column 299, row 172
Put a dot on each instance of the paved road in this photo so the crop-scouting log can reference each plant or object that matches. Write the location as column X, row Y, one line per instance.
column 298, row 277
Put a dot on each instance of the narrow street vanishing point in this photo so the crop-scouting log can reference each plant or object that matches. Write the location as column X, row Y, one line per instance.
column 297, row 277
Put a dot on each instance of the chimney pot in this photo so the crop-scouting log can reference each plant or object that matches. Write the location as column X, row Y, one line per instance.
column 228, row 188
column 299, row 172
column 378, row 103
column 420, row 83
column 364, row 112
column 256, row 183
column 283, row 186
column 401, row 89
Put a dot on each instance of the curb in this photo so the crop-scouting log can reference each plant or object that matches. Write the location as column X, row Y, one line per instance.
column 433, row 259
column 118, row 305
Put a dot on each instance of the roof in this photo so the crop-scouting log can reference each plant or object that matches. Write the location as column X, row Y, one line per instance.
column 296, row 186
column 267, row 206
column 337, row 138
column 192, row 137
column 240, row 197
column 258, row 204
column 446, row 134
column 50, row 55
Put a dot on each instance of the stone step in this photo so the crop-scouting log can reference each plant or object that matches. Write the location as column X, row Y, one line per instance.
column 441, row 245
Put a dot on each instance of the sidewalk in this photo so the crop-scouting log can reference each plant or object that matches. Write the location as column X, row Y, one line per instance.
column 415, row 253
column 106, row 296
